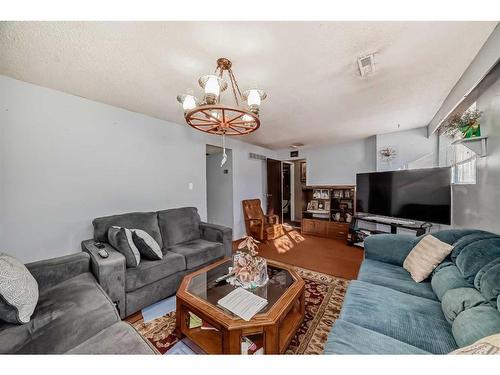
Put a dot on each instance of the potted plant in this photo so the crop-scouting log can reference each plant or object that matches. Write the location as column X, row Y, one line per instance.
column 467, row 124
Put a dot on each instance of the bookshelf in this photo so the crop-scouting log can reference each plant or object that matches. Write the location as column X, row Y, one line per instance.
column 328, row 210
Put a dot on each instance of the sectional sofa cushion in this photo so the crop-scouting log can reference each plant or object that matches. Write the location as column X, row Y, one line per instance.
column 475, row 323
column 394, row 277
column 147, row 246
column 121, row 240
column 147, row 221
column 457, row 300
column 179, row 225
column 413, row 320
column 465, row 241
column 483, row 270
column 348, row 338
column 66, row 315
column 425, row 257
column 120, row 338
column 150, row 271
column 489, row 282
column 18, row 291
column 446, row 278
column 476, row 255
column 199, row 252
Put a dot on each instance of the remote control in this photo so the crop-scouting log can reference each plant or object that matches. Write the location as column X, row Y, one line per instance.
column 103, row 253
column 99, row 245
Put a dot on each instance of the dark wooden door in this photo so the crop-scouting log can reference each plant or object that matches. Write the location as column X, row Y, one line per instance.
column 274, row 194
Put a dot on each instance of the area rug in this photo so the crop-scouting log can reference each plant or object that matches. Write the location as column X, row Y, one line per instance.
column 324, row 295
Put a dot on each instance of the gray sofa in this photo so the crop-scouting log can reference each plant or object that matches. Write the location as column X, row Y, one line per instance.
column 73, row 315
column 186, row 242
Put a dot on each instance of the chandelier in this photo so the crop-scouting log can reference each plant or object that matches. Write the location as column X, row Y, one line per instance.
column 210, row 116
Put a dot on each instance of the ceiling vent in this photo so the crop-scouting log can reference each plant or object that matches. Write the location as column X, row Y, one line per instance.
column 366, row 64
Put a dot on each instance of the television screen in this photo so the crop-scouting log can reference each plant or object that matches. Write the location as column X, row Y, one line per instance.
column 419, row 194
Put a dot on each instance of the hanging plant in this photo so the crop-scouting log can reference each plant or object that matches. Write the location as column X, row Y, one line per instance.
column 467, row 124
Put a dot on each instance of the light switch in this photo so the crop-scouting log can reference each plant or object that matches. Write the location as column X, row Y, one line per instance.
column 190, row 186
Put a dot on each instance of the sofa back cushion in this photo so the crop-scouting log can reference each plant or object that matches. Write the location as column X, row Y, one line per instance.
column 147, row 221
column 179, row 225
column 460, row 299
column 475, row 323
column 489, row 282
column 476, row 255
column 447, row 278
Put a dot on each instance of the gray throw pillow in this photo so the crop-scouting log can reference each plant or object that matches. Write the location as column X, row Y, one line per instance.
column 148, row 247
column 121, row 240
column 18, row 291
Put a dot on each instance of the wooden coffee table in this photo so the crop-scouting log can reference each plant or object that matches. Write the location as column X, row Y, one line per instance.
column 273, row 327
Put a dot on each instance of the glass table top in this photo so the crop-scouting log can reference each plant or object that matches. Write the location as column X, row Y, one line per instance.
column 205, row 286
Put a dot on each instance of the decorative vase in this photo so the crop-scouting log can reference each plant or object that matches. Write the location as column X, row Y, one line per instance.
column 249, row 272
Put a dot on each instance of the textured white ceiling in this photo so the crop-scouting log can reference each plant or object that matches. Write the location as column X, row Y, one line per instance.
column 315, row 94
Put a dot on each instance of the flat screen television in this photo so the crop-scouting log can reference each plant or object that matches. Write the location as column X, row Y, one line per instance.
column 419, row 194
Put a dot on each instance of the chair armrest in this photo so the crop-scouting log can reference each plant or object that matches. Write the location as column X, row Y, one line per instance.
column 51, row 272
column 272, row 219
column 218, row 233
column 389, row 248
column 109, row 272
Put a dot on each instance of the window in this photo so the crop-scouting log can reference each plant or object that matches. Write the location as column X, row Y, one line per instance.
column 460, row 158
column 464, row 167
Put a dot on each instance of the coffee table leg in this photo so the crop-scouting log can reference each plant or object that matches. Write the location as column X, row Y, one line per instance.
column 178, row 318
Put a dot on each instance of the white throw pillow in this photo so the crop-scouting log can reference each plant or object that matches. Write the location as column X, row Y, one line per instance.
column 426, row 256
column 18, row 291
column 147, row 245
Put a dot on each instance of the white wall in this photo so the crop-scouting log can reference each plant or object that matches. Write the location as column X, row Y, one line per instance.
column 220, row 189
column 412, row 146
column 65, row 160
column 336, row 164
column 477, row 206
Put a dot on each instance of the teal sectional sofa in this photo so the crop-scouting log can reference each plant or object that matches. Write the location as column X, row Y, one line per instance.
column 386, row 312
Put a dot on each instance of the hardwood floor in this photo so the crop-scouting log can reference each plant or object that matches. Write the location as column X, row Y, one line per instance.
column 320, row 254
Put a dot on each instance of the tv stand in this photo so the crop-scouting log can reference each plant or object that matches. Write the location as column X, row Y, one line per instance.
column 356, row 235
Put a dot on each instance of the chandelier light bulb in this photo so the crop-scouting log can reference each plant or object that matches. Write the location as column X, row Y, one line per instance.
column 247, row 118
column 212, row 86
column 253, row 98
column 189, row 103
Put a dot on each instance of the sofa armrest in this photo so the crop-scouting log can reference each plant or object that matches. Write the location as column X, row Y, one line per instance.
column 109, row 272
column 389, row 248
column 218, row 233
column 51, row 272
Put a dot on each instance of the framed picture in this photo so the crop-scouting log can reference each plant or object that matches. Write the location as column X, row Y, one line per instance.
column 314, row 204
column 303, row 172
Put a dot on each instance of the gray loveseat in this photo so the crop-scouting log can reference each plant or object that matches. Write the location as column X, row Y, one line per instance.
column 73, row 315
column 186, row 242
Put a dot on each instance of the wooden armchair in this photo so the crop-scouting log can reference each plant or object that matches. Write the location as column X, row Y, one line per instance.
column 260, row 226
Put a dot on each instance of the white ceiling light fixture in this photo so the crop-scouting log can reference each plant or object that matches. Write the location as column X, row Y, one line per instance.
column 366, row 64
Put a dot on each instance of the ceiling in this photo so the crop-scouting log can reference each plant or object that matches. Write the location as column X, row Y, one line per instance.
column 309, row 69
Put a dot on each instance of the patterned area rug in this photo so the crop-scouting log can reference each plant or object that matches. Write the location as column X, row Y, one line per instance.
column 324, row 295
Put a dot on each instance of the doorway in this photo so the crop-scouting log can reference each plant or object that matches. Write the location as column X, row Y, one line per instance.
column 294, row 182
column 219, row 186
column 285, row 184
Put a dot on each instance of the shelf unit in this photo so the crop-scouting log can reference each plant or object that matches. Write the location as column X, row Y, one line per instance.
column 332, row 212
column 476, row 144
